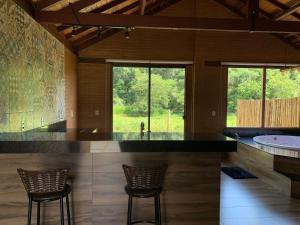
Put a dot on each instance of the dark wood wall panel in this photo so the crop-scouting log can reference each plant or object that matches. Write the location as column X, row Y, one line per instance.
column 71, row 88
column 94, row 96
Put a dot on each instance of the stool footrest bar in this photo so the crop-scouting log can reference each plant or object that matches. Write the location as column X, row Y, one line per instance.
column 143, row 221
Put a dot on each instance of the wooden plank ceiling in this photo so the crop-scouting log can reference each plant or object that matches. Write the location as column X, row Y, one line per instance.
column 80, row 37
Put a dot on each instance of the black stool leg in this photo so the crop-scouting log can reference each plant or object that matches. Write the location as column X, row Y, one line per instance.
column 62, row 217
column 129, row 213
column 68, row 209
column 29, row 211
column 157, row 210
column 38, row 213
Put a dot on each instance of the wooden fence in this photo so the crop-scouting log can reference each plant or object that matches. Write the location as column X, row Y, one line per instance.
column 278, row 113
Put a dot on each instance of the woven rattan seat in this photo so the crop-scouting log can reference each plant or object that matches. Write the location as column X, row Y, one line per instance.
column 45, row 186
column 44, row 181
column 51, row 196
column 144, row 179
column 144, row 182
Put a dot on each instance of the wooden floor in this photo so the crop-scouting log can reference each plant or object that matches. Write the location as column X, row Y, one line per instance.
column 252, row 202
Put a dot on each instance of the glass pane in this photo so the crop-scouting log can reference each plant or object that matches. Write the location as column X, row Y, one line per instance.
column 130, row 99
column 167, row 99
column 244, row 97
column 282, row 98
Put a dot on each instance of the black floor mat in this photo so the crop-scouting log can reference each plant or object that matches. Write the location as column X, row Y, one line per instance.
column 237, row 173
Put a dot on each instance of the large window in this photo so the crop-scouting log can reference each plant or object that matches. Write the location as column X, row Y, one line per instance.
column 263, row 97
column 149, row 95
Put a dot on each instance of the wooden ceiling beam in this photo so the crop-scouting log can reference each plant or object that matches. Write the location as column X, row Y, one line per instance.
column 90, row 40
column 82, row 29
column 288, row 12
column 45, row 3
column 101, row 9
column 150, row 10
column 51, row 29
column 167, row 22
column 95, row 34
column 81, row 4
column 142, row 7
column 102, row 35
column 127, row 8
column 283, row 7
column 107, row 6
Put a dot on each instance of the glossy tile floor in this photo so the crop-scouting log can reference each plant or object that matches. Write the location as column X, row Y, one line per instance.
column 252, row 202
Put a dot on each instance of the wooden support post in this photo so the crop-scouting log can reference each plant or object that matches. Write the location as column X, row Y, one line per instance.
column 142, row 7
column 253, row 13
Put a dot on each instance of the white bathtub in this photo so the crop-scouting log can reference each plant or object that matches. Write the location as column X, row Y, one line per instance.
column 279, row 141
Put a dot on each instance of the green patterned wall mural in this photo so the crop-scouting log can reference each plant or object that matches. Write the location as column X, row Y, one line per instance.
column 31, row 72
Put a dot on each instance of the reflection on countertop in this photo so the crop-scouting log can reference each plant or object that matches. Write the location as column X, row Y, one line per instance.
column 89, row 141
column 93, row 134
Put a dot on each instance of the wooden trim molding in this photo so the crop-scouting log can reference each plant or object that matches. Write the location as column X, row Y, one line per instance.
column 91, row 60
column 252, row 64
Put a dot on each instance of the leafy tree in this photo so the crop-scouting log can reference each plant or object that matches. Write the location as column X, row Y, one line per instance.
column 123, row 80
column 131, row 89
column 161, row 92
column 243, row 83
column 246, row 83
column 282, row 84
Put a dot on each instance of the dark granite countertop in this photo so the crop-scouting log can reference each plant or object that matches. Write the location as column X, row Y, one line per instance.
column 91, row 141
column 93, row 135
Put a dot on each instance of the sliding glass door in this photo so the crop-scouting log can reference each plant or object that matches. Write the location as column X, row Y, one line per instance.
column 148, row 97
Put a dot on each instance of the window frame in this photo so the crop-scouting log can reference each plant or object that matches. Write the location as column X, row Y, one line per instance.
column 264, row 85
column 149, row 68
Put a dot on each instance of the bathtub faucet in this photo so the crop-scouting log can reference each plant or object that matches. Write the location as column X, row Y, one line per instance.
column 236, row 135
column 142, row 128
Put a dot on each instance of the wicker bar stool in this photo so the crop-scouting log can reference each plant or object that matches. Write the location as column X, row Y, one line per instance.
column 46, row 186
column 144, row 182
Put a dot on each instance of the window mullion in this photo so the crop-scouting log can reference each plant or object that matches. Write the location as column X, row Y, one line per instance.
column 263, row 97
column 149, row 99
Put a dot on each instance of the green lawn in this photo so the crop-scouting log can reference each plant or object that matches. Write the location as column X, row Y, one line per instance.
column 231, row 120
column 159, row 123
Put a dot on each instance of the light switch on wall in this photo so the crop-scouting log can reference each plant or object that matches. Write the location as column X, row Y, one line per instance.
column 213, row 113
column 97, row 112
column 72, row 114
column 22, row 125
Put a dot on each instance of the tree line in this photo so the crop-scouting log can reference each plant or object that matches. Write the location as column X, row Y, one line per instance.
column 130, row 89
